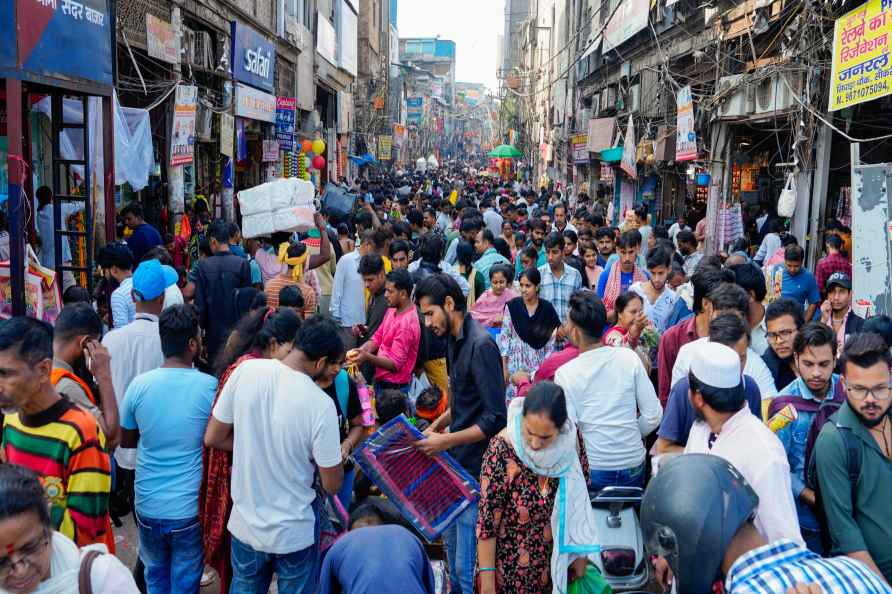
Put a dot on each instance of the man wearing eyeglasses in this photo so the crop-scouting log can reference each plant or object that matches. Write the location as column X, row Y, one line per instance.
column 817, row 393
column 858, row 443
column 783, row 318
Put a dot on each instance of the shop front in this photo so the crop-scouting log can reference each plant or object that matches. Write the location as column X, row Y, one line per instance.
column 253, row 71
column 53, row 51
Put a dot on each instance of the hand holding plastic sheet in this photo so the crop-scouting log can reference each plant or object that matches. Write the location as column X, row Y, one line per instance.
column 430, row 491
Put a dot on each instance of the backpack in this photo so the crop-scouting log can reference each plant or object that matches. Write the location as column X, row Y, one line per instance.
column 853, row 470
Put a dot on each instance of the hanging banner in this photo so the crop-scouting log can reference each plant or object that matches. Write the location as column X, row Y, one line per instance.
column 579, row 144
column 227, row 125
column 285, row 110
column 182, row 138
column 628, row 163
column 161, row 43
column 861, row 64
column 399, row 135
column 600, row 134
column 385, row 144
column 686, row 136
column 629, row 18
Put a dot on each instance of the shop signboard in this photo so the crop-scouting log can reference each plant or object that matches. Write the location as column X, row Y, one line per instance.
column 686, row 136
column 285, row 110
column 399, row 135
column 253, row 104
column 326, row 39
column 182, row 138
column 385, row 144
column 61, row 39
column 227, row 134
column 253, row 57
column 160, row 40
column 579, row 142
column 862, row 68
column 628, row 19
column 600, row 134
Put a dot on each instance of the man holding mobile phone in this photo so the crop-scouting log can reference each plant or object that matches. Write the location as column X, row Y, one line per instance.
column 76, row 346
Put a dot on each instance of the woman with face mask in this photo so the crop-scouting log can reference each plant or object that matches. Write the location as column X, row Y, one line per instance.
column 526, row 533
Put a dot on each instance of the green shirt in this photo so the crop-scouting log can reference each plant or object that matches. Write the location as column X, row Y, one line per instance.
column 866, row 525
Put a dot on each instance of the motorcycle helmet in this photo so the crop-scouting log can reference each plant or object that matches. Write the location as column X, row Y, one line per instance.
column 691, row 510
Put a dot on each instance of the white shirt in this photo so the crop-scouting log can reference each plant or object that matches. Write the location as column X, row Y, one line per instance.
column 284, row 426
column 135, row 349
column 348, row 292
column 674, row 230
column 493, row 221
column 47, row 237
column 759, row 337
column 605, row 389
column 755, row 368
column 758, row 454
column 173, row 296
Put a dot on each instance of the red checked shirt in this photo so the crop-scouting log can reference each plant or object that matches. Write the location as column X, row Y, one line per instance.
column 829, row 265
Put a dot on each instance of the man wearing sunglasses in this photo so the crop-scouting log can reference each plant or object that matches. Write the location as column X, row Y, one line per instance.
column 857, row 442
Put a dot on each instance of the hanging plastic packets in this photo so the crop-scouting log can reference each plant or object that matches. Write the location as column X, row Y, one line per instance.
column 429, row 491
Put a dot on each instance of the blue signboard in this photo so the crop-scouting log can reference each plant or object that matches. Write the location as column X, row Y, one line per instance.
column 253, row 58
column 61, row 39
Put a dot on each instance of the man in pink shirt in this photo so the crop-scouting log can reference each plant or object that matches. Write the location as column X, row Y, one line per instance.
column 393, row 348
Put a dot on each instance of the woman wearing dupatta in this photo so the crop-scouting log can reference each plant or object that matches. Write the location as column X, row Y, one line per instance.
column 529, row 539
column 262, row 334
column 490, row 306
column 528, row 329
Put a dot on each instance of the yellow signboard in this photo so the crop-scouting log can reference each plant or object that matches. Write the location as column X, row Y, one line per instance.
column 862, row 67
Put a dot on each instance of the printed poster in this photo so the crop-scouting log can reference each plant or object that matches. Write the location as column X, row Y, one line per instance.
column 385, row 144
column 270, row 151
column 182, row 138
column 579, row 143
column 628, row 164
column 161, row 42
column 861, row 66
column 686, row 136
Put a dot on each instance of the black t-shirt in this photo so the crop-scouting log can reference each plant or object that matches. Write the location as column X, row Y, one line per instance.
column 354, row 407
column 779, row 368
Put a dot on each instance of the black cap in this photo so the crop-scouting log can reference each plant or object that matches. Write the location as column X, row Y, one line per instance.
column 839, row 279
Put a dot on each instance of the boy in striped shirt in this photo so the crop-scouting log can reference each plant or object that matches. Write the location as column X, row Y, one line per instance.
column 52, row 436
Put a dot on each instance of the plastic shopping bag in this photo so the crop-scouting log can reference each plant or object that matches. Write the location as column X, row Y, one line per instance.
column 786, row 204
column 591, row 583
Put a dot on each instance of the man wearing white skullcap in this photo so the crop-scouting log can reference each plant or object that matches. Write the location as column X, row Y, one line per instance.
column 726, row 427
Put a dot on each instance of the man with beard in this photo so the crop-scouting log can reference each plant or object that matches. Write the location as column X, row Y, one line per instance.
column 836, row 311
column 783, row 319
column 858, row 517
column 278, row 445
column 477, row 407
column 814, row 355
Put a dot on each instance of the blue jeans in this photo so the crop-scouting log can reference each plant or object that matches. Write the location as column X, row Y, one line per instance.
column 252, row 571
column 173, row 554
column 461, row 550
column 345, row 495
column 628, row 477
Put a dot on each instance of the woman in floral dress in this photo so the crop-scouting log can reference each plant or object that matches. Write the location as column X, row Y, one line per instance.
column 527, row 335
column 523, row 468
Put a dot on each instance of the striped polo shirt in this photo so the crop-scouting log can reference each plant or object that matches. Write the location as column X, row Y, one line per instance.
column 65, row 446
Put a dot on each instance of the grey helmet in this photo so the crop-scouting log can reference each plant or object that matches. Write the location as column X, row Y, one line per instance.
column 691, row 510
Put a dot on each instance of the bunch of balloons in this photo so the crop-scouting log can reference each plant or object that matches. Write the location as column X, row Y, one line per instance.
column 311, row 152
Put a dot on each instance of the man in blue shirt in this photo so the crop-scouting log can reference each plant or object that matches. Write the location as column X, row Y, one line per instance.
column 164, row 414
column 143, row 236
column 489, row 257
column 797, row 283
column 814, row 355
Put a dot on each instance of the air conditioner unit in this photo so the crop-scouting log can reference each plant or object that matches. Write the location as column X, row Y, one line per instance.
column 734, row 102
column 776, row 93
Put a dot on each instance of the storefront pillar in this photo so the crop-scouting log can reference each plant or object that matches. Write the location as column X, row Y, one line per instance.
column 817, row 197
column 16, row 168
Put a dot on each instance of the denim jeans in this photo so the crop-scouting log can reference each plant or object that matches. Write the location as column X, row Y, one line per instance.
column 461, row 550
column 252, row 571
column 345, row 495
column 628, row 477
column 173, row 554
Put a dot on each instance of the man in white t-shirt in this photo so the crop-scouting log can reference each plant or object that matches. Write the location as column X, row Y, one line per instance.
column 281, row 427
